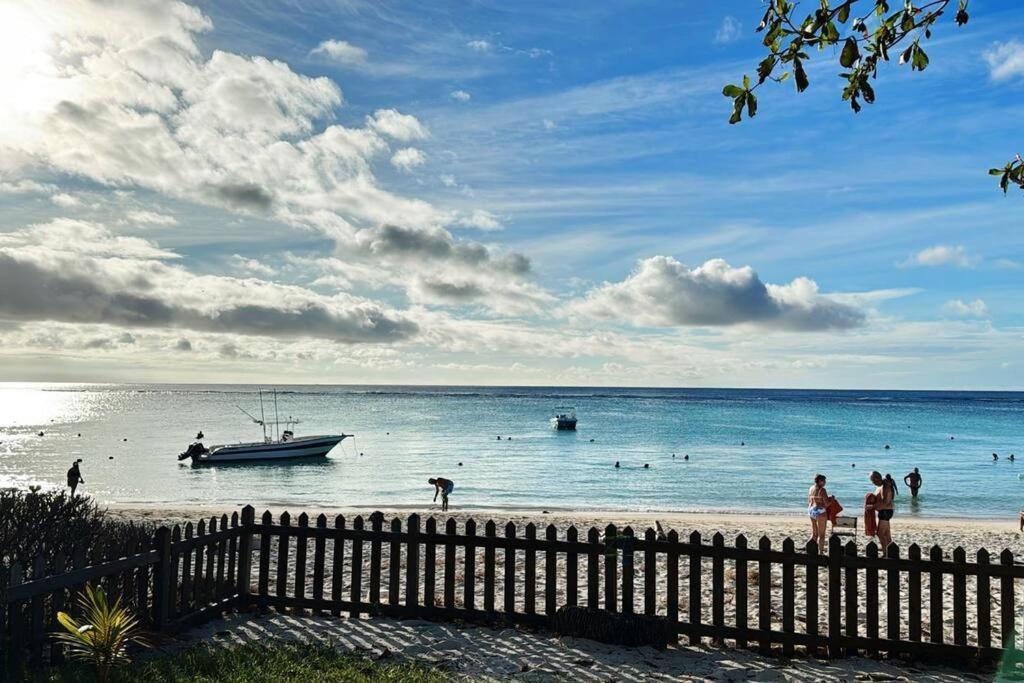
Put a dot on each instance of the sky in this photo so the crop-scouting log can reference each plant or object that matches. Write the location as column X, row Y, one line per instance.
column 534, row 193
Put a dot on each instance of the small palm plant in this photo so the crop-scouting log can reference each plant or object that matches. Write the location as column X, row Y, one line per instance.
column 104, row 633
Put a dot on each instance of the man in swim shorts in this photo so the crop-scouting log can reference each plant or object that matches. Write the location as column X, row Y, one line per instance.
column 884, row 495
column 444, row 487
column 913, row 481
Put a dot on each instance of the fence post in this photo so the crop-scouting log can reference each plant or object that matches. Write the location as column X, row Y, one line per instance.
column 718, row 586
column 741, row 591
column 984, row 601
column 811, row 612
column 162, row 579
column 764, row 595
column 412, row 564
column 892, row 589
column 835, row 595
column 245, row 554
column 788, row 595
column 694, row 594
column 627, row 570
column 959, row 596
column 935, row 595
column 1008, row 631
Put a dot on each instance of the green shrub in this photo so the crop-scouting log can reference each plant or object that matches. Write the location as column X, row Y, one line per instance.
column 51, row 523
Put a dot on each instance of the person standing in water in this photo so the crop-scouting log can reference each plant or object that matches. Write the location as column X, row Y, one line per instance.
column 75, row 477
column 913, row 481
column 884, row 494
column 817, row 505
column 444, row 487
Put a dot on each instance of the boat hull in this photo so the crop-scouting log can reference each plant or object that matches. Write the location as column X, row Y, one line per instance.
column 300, row 449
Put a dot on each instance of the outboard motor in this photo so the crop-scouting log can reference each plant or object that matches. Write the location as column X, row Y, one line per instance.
column 287, row 435
column 193, row 451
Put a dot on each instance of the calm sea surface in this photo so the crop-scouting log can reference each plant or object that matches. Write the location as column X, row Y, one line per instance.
column 749, row 450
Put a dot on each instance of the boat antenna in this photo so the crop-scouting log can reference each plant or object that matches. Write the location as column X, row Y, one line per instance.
column 263, row 417
column 249, row 415
column 277, row 418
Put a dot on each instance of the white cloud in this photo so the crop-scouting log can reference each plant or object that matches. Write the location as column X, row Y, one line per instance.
column 662, row 292
column 481, row 220
column 250, row 265
column 66, row 200
column 145, row 217
column 479, row 45
column 448, row 180
column 1005, row 60
column 394, row 124
column 973, row 309
column 549, row 124
column 461, row 95
column 942, row 255
column 408, row 158
column 729, row 31
column 341, row 51
column 26, row 187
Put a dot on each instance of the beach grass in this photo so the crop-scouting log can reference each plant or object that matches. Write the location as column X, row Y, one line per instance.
column 254, row 663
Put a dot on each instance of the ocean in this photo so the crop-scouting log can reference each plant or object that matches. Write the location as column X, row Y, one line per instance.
column 749, row 450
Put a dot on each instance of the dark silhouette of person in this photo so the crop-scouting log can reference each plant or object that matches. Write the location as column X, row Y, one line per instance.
column 913, row 481
column 75, row 477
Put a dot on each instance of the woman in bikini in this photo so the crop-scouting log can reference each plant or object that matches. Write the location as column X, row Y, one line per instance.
column 884, row 494
column 817, row 503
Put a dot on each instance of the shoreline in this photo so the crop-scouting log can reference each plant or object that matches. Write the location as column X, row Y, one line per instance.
column 726, row 519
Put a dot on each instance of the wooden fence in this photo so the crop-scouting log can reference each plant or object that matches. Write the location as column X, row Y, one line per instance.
column 780, row 598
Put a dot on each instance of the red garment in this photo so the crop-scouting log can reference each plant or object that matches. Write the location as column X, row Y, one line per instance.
column 869, row 514
column 833, row 509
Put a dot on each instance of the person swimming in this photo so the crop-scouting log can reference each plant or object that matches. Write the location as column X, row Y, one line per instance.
column 444, row 487
column 616, row 464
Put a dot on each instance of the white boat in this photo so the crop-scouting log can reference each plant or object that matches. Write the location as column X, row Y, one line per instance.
column 564, row 419
column 283, row 448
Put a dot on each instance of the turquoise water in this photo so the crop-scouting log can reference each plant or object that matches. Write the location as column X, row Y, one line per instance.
column 750, row 450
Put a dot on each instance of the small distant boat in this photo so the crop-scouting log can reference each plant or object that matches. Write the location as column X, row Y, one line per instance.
column 285, row 447
column 564, row 419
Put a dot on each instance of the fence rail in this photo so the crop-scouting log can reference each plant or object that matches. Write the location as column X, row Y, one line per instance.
column 841, row 603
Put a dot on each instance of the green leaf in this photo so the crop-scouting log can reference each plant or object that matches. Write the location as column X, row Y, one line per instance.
column 844, row 14
column 920, row 62
column 746, row 82
column 996, row 171
column 751, row 104
column 801, row 76
column 907, row 54
column 732, row 90
column 850, row 53
column 764, row 69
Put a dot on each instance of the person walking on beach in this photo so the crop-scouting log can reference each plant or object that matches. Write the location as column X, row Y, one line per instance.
column 75, row 477
column 883, row 508
column 817, row 506
column 913, row 481
column 444, row 487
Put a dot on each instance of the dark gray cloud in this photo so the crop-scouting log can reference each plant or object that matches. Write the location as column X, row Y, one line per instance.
column 183, row 345
column 437, row 245
column 31, row 291
column 662, row 292
column 452, row 292
column 244, row 196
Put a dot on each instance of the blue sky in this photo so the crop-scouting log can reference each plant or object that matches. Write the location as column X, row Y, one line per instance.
column 544, row 193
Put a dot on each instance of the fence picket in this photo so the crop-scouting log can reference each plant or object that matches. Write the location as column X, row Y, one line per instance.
column 628, row 570
column 811, row 613
column 395, row 563
column 550, row 570
column 412, row 563
column 282, row 555
column 57, row 604
column 530, row 573
column 741, row 591
column 764, row 595
column 610, row 567
column 788, row 595
column 509, row 589
column 835, row 595
column 850, row 551
column 469, row 570
column 211, row 564
column 718, row 584
column 871, row 599
column 935, row 625
column 319, row 560
column 593, row 565
column 650, row 573
column 356, row 584
column 914, row 592
column 1008, row 634
column 338, row 563
column 36, row 614
column 672, row 577
column 184, row 606
column 301, row 545
column 694, row 593
column 959, row 596
column 892, row 588
column 984, row 594
column 430, row 563
column 450, row 530
column 235, row 559
column 376, row 524
column 200, row 554
column 572, row 558
column 264, row 582
column 491, row 532
column 16, row 623
column 172, row 583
